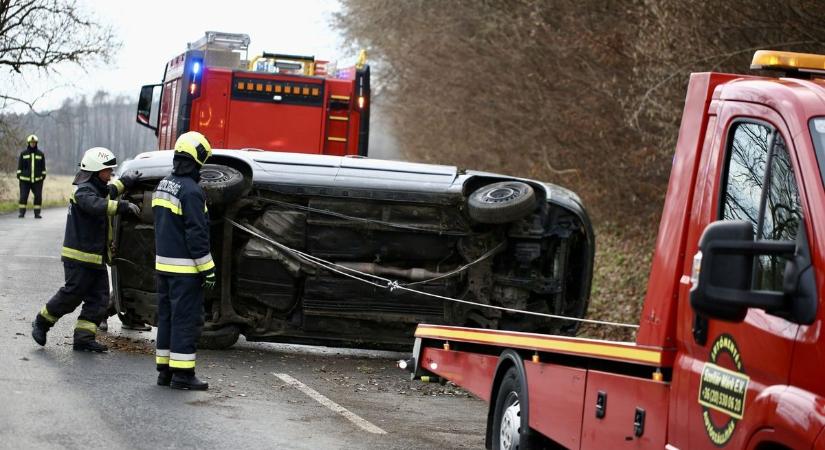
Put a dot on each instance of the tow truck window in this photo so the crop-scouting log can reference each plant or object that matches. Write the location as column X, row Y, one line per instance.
column 761, row 188
column 817, row 127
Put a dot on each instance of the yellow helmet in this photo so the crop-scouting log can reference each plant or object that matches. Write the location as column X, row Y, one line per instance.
column 31, row 138
column 195, row 145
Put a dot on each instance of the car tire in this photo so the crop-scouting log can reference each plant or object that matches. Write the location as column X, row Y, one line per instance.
column 219, row 339
column 502, row 202
column 222, row 184
column 509, row 433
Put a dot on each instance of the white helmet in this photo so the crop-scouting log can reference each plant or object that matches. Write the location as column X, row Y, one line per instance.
column 31, row 138
column 98, row 158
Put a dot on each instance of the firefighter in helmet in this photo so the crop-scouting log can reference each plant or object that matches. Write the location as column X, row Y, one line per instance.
column 86, row 248
column 31, row 172
column 183, row 263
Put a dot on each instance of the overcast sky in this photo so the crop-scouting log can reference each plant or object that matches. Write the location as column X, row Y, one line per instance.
column 154, row 31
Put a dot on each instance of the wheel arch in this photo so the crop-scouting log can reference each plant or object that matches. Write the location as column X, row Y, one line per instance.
column 509, row 358
column 238, row 164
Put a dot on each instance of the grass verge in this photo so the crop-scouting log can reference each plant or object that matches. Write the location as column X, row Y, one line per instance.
column 56, row 192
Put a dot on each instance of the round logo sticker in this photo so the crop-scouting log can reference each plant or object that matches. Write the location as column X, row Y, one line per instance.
column 722, row 390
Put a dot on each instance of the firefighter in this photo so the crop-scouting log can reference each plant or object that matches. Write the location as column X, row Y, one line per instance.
column 86, row 248
column 183, row 263
column 31, row 172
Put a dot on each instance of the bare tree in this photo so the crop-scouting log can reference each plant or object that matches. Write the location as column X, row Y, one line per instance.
column 39, row 37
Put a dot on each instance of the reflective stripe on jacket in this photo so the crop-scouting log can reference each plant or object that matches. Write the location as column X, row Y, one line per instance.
column 89, row 223
column 181, row 227
column 31, row 165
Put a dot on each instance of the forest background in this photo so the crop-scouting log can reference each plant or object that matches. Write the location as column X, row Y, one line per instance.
column 584, row 94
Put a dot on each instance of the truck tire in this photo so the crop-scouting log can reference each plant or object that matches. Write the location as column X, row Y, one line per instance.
column 222, row 184
column 219, row 339
column 502, row 202
column 508, row 432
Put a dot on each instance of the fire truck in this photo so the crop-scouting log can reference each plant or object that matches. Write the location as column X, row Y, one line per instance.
column 730, row 349
column 273, row 102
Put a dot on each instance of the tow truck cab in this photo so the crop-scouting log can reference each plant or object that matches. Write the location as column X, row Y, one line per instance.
column 273, row 102
column 730, row 349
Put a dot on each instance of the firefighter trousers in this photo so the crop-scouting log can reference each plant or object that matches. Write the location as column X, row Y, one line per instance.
column 37, row 190
column 86, row 285
column 180, row 321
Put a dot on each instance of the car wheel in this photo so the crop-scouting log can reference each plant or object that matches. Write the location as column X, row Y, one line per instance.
column 219, row 339
column 509, row 433
column 502, row 202
column 222, row 184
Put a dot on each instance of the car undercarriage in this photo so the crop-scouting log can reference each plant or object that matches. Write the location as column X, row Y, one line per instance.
column 344, row 264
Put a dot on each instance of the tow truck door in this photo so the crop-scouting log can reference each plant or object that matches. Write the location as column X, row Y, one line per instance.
column 724, row 365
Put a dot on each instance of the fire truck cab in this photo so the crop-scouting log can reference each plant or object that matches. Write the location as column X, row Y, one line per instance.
column 273, row 102
column 730, row 349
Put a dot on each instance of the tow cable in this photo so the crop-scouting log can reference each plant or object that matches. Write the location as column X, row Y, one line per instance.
column 393, row 285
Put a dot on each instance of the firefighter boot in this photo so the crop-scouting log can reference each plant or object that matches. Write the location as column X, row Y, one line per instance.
column 40, row 326
column 21, row 213
column 186, row 380
column 164, row 377
column 90, row 346
column 37, row 214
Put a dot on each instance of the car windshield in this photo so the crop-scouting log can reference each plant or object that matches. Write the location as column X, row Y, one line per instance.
column 817, row 126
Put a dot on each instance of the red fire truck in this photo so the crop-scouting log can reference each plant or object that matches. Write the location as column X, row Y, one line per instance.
column 273, row 102
column 730, row 348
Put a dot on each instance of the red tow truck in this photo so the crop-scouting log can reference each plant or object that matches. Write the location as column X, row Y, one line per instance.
column 273, row 102
column 730, row 347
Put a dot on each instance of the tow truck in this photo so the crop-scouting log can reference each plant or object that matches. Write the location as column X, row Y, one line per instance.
column 273, row 102
column 729, row 350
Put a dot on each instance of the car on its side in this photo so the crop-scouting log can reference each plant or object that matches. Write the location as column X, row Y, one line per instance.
column 278, row 220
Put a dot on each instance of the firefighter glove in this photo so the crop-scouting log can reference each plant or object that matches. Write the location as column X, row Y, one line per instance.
column 126, row 206
column 129, row 179
column 209, row 280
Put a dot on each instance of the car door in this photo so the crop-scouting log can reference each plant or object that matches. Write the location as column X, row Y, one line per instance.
column 751, row 177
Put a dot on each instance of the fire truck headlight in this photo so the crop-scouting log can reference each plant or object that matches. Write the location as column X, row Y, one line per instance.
column 361, row 101
column 192, row 88
column 196, row 67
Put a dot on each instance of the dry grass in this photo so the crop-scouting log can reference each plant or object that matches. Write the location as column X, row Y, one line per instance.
column 619, row 282
column 56, row 191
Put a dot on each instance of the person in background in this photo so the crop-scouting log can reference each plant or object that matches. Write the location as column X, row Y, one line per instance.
column 31, row 172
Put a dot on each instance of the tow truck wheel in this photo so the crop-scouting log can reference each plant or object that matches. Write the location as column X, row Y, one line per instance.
column 503, row 202
column 508, row 431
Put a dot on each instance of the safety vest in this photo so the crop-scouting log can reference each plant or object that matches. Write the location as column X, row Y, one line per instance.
column 31, row 165
column 88, row 235
column 181, row 228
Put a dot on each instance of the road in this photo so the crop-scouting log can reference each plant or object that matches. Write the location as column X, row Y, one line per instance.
column 260, row 396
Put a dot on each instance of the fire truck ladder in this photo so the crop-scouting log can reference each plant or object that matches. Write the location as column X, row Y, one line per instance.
column 338, row 112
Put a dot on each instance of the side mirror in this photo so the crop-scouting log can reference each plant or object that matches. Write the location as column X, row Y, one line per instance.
column 723, row 272
column 144, row 109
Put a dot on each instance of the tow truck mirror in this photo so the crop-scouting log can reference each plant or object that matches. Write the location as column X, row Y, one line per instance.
column 723, row 272
column 144, row 109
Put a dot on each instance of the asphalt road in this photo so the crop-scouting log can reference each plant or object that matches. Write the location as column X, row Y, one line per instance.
column 260, row 396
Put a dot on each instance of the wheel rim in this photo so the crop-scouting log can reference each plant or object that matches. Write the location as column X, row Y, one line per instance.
column 501, row 194
column 211, row 175
column 510, row 425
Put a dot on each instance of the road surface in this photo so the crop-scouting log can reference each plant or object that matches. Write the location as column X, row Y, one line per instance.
column 260, row 396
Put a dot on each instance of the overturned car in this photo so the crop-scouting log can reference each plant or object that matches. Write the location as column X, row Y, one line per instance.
column 355, row 252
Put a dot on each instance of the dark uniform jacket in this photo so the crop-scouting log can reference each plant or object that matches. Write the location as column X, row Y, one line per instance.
column 89, row 223
column 31, row 165
column 181, row 228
